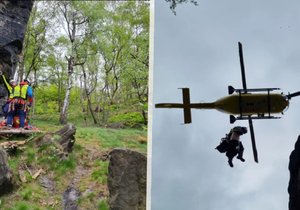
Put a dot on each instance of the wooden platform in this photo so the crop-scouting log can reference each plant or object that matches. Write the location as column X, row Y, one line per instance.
column 4, row 131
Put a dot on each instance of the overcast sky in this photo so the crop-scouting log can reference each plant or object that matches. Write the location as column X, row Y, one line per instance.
column 198, row 48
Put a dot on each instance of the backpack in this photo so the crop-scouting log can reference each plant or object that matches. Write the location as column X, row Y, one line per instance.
column 223, row 146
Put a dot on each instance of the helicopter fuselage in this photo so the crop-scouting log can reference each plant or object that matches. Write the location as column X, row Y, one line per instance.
column 243, row 104
column 246, row 104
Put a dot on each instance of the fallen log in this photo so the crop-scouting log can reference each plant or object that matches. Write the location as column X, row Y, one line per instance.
column 62, row 139
column 18, row 131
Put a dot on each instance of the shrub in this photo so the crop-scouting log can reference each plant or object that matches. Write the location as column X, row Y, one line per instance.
column 103, row 205
column 131, row 119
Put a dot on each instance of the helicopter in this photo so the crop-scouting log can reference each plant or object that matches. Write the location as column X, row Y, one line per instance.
column 240, row 104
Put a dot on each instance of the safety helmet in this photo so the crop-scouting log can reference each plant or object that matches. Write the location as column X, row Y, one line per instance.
column 26, row 81
column 240, row 130
column 12, row 81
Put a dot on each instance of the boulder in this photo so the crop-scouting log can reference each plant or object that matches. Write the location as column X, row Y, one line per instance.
column 6, row 184
column 294, row 183
column 127, row 172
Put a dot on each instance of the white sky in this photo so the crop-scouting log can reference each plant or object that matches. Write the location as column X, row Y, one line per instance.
column 198, row 48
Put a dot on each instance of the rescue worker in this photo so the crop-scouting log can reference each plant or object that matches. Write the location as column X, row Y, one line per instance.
column 235, row 146
column 10, row 88
column 232, row 145
column 22, row 97
column 29, row 103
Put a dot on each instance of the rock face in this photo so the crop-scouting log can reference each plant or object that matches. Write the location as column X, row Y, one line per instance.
column 127, row 180
column 14, row 15
column 6, row 184
column 294, row 184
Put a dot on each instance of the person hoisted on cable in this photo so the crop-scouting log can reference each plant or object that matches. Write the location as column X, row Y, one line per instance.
column 232, row 145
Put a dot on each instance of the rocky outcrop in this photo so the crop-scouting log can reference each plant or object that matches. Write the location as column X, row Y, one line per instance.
column 14, row 15
column 294, row 184
column 6, row 184
column 127, row 180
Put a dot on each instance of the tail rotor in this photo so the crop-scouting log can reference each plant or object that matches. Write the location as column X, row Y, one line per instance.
column 186, row 105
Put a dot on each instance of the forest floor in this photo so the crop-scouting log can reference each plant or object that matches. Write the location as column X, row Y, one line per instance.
column 42, row 178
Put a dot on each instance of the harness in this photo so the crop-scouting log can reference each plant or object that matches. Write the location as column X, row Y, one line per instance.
column 19, row 97
column 20, row 91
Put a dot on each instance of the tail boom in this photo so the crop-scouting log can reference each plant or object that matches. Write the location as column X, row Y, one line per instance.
column 186, row 105
column 169, row 105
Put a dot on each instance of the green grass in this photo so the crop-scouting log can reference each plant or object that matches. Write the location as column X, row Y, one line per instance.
column 30, row 154
column 46, row 123
column 23, row 205
column 103, row 205
column 13, row 163
column 26, row 194
column 112, row 138
column 90, row 144
column 100, row 173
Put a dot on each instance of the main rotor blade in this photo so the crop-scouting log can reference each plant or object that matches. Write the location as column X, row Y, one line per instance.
column 253, row 139
column 289, row 96
column 242, row 67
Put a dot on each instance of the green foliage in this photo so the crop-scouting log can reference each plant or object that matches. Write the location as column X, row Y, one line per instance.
column 103, row 205
column 112, row 138
column 174, row 3
column 46, row 100
column 101, row 172
column 30, row 155
column 113, row 45
column 22, row 205
column 13, row 163
column 90, row 142
column 132, row 119
column 65, row 165
column 26, row 194
column 53, row 162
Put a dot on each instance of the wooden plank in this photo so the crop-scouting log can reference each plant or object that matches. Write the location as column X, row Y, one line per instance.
column 18, row 131
column 9, row 143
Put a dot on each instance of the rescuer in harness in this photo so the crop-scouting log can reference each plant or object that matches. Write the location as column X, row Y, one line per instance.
column 232, row 145
column 22, row 99
column 10, row 88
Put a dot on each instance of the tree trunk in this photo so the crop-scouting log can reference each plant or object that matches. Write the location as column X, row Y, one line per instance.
column 21, row 66
column 91, row 110
column 88, row 96
column 145, row 117
column 73, row 21
column 64, row 111
column 59, row 89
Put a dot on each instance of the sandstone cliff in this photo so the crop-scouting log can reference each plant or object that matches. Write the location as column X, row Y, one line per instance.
column 294, row 183
column 14, row 15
